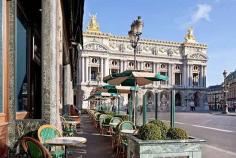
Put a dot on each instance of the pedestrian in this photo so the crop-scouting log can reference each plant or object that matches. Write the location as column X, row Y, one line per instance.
column 192, row 106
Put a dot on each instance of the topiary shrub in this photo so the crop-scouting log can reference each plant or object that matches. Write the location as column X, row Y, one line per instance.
column 107, row 120
column 149, row 131
column 164, row 128
column 177, row 133
column 123, row 117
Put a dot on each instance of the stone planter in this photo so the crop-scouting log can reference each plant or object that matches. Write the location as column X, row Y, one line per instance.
column 190, row 148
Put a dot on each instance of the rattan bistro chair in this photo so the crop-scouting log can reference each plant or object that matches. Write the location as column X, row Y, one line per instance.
column 47, row 132
column 34, row 148
column 122, row 139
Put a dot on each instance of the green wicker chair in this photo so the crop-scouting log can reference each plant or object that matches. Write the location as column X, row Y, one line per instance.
column 34, row 148
column 126, row 125
column 68, row 130
column 112, row 129
column 122, row 139
column 102, row 117
column 47, row 132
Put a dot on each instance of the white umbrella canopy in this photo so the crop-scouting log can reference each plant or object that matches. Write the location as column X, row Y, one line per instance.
column 134, row 78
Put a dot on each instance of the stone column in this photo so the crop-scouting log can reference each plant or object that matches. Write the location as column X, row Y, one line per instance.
column 170, row 74
column 106, row 66
column 155, row 71
column 200, row 77
column 68, row 89
column 101, row 69
column 121, row 66
column 49, row 61
column 204, row 76
column 125, row 65
column 184, row 75
column 190, row 75
column 79, row 74
column 82, row 70
column 12, row 12
column 86, row 69
column 142, row 66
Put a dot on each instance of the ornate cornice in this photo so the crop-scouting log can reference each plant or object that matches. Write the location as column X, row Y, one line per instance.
column 111, row 37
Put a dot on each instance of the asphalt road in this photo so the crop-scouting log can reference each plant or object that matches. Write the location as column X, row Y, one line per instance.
column 219, row 131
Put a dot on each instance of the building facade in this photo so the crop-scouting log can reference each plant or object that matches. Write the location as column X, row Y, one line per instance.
column 215, row 97
column 184, row 64
column 230, row 80
column 38, row 52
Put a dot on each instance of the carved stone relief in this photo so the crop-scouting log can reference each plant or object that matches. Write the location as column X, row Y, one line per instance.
column 198, row 56
column 94, row 46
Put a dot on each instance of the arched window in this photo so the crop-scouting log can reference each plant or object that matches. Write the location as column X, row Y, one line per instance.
column 131, row 64
column 94, row 60
column 147, row 65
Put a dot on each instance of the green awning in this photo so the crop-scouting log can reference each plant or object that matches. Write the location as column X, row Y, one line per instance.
column 129, row 77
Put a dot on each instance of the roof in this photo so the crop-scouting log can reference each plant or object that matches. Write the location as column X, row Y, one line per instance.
column 214, row 88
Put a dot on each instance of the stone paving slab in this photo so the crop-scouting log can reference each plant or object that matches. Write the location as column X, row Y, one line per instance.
column 97, row 146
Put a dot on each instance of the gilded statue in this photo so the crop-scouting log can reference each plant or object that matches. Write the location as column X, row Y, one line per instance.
column 189, row 37
column 93, row 24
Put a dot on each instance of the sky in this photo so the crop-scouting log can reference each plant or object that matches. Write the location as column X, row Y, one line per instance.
column 213, row 21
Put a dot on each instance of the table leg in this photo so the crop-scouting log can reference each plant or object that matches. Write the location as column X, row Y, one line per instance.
column 65, row 151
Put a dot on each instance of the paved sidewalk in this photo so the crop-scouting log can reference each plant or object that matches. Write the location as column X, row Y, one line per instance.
column 97, row 146
column 220, row 113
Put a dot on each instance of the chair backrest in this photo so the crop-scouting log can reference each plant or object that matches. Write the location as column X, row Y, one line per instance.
column 34, row 148
column 116, row 120
column 47, row 132
column 101, row 119
column 126, row 125
column 73, row 111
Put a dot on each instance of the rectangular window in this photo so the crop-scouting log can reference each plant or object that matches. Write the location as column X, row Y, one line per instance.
column 195, row 79
column 21, row 67
column 178, row 79
column 1, row 68
column 94, row 72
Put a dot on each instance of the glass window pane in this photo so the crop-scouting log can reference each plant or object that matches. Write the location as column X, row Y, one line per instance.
column 21, row 69
column 1, row 88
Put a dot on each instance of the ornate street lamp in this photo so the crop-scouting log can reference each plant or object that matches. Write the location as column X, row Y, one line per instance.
column 134, row 36
column 225, row 91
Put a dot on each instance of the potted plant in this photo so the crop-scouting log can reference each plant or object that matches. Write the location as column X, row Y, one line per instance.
column 156, row 139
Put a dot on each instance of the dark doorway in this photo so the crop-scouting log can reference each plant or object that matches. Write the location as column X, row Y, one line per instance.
column 177, row 99
column 196, row 98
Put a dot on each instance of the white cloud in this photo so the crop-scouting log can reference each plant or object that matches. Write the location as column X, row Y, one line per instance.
column 202, row 13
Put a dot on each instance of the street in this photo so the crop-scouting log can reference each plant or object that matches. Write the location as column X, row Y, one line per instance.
column 218, row 130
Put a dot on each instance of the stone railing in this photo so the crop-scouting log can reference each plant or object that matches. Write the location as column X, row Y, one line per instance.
column 26, row 126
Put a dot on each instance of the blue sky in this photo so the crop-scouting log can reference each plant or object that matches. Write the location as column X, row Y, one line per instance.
column 213, row 22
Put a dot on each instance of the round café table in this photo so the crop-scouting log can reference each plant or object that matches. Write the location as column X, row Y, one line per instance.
column 67, row 142
column 127, row 131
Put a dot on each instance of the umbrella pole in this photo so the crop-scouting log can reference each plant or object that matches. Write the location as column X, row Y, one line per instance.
column 134, row 101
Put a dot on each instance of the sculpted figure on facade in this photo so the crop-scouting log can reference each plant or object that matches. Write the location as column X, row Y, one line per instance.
column 154, row 51
column 93, row 24
column 189, row 37
column 164, row 103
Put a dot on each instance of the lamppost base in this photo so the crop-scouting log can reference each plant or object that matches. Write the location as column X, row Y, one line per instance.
column 225, row 112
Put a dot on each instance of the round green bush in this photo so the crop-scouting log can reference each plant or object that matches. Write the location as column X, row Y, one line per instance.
column 107, row 120
column 149, row 132
column 177, row 133
column 123, row 117
column 164, row 128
